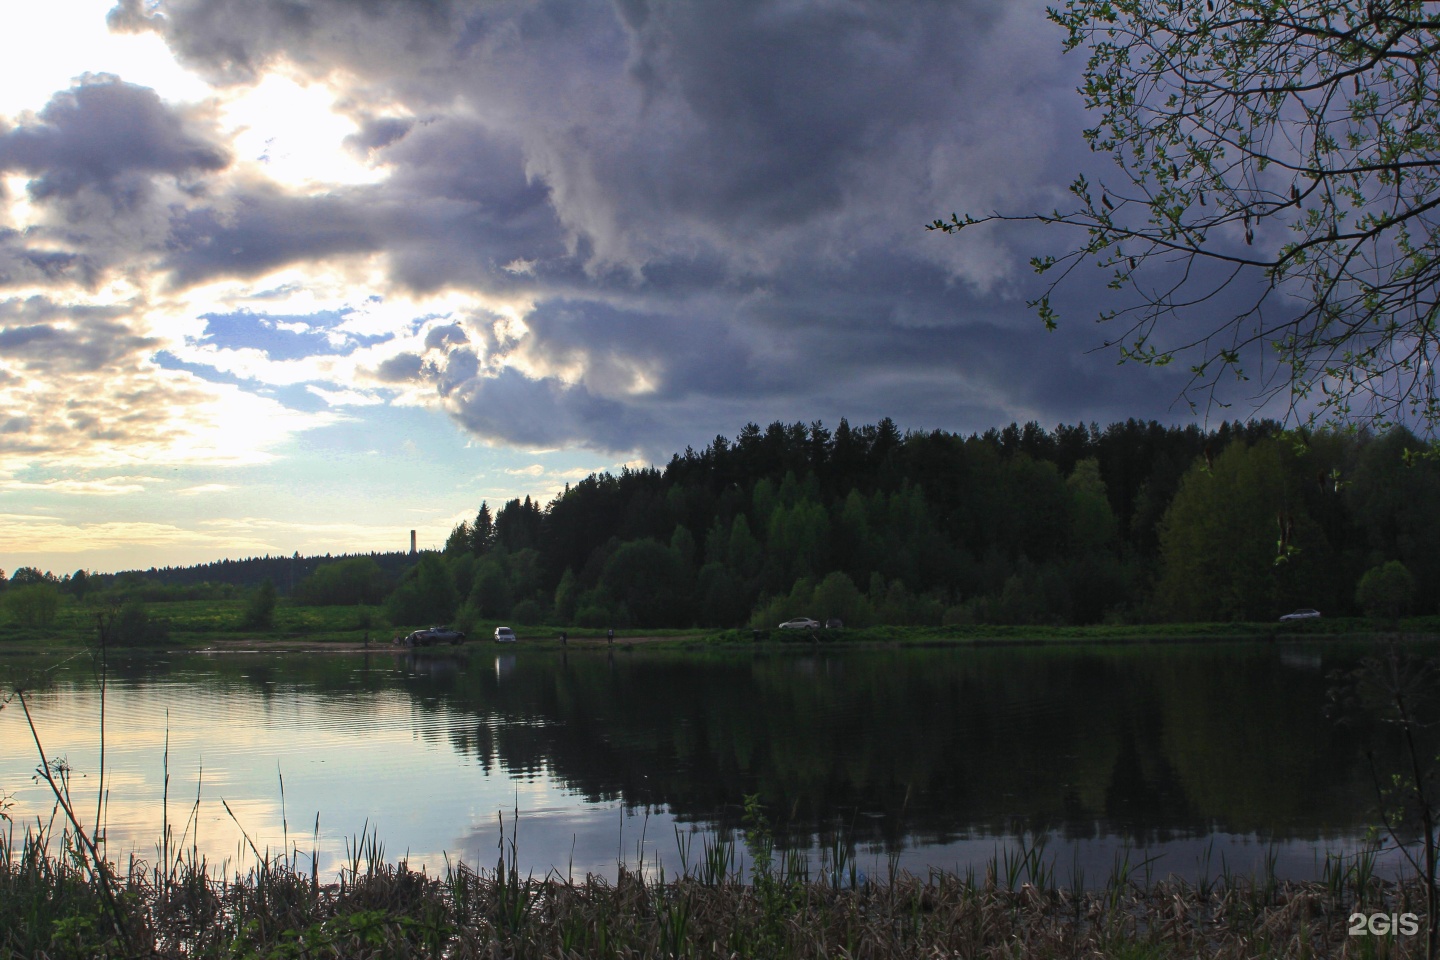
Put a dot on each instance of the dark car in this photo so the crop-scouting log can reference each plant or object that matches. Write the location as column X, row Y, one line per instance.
column 424, row 638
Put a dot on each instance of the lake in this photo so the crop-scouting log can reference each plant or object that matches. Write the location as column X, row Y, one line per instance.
column 1199, row 755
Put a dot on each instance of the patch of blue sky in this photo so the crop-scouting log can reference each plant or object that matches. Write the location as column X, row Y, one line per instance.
column 166, row 360
column 285, row 337
column 295, row 396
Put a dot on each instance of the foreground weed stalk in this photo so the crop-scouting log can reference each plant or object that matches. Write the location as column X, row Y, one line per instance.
column 51, row 907
column 98, row 867
column 1400, row 690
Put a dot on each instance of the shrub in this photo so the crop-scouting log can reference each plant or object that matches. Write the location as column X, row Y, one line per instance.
column 1384, row 592
column 592, row 616
column 527, row 612
column 353, row 580
column 260, row 611
column 426, row 594
column 33, row 604
column 133, row 626
column 466, row 618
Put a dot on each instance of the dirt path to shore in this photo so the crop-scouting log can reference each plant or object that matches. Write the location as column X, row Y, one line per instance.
column 301, row 645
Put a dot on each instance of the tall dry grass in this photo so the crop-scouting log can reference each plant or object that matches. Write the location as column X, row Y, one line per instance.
column 53, row 905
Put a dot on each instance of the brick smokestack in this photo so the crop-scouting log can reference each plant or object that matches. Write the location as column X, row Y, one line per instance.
column 412, row 543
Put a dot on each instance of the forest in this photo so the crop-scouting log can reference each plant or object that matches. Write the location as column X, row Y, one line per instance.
column 1136, row 522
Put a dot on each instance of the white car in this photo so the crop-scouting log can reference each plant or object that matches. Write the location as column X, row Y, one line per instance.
column 504, row 635
column 800, row 623
column 1303, row 614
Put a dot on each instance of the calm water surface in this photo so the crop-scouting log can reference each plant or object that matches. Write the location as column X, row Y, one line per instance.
column 917, row 758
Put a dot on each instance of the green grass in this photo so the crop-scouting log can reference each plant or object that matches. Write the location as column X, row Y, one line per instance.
column 196, row 624
column 1347, row 627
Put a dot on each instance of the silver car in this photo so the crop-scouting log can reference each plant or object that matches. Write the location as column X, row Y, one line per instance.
column 505, row 635
column 1304, row 613
column 800, row 623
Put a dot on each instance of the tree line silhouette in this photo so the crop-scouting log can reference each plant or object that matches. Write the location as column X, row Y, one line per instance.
column 1077, row 525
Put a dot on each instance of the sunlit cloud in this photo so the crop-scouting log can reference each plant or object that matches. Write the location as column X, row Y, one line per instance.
column 58, row 40
column 345, row 398
column 143, row 415
column 293, row 134
column 280, row 535
column 206, row 488
column 107, row 487
column 24, row 536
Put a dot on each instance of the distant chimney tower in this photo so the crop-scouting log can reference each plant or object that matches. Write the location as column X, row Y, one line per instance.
column 412, row 543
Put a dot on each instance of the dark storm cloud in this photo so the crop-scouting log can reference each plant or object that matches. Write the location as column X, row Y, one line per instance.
column 235, row 40
column 716, row 370
column 401, row 368
column 513, row 408
column 43, row 338
column 440, row 337
column 21, row 265
column 715, row 208
column 683, row 126
column 264, row 230
column 457, row 209
column 377, row 132
column 788, row 104
column 105, row 134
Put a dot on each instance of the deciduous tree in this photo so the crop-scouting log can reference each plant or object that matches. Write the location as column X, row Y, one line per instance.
column 1385, row 591
column 1238, row 542
column 32, row 604
column 259, row 611
column 1278, row 186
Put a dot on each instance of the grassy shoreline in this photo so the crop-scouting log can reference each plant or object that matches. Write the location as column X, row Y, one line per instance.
column 55, row 903
column 334, row 629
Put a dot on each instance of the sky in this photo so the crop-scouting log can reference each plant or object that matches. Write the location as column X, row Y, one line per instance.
column 305, row 275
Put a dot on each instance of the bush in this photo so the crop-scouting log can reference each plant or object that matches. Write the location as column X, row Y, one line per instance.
column 1384, row 592
column 592, row 616
column 260, row 611
column 354, row 580
column 837, row 597
column 33, row 604
column 133, row 626
column 527, row 612
column 466, row 618
column 426, row 595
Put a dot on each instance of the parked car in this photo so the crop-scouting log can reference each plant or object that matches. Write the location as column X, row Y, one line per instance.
column 1304, row 613
column 423, row 638
column 505, row 635
column 834, row 623
column 800, row 623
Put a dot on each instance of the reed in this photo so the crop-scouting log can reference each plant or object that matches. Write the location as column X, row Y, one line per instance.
column 52, row 904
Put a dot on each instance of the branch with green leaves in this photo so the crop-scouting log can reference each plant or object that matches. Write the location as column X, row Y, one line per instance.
column 1278, row 185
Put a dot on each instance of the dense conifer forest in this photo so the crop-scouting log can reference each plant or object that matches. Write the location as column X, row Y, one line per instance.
column 1135, row 522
